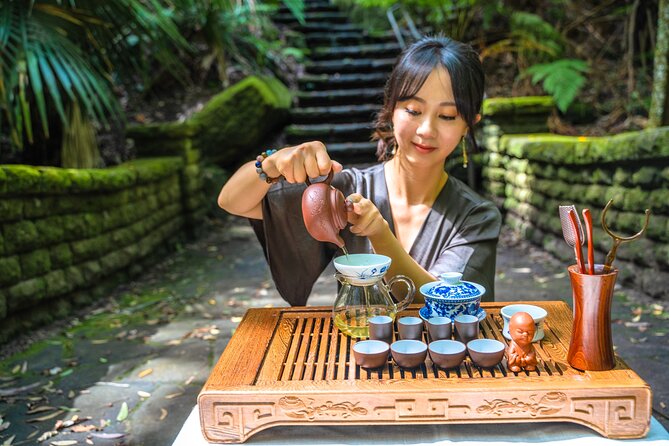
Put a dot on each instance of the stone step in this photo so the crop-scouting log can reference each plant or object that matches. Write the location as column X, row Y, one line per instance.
column 347, row 38
column 309, row 16
column 312, row 7
column 319, row 27
column 363, row 151
column 349, row 65
column 330, row 132
column 369, row 50
column 310, row 82
column 340, row 97
column 336, row 114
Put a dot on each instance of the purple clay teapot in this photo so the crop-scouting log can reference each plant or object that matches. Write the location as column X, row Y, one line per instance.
column 324, row 211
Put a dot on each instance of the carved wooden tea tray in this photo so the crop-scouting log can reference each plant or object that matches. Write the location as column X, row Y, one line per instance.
column 291, row 366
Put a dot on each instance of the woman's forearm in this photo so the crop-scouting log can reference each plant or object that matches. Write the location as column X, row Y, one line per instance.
column 387, row 244
column 243, row 193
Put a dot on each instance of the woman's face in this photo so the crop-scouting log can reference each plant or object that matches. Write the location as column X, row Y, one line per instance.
column 427, row 127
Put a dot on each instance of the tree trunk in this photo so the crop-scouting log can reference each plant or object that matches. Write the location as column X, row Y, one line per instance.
column 659, row 105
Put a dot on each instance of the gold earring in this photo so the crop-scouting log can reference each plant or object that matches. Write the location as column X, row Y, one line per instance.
column 465, row 162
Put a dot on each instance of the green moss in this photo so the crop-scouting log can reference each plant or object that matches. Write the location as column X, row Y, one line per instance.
column 91, row 271
column 3, row 305
column 26, row 293
column 11, row 209
column 3, row 182
column 35, row 263
column 237, row 119
column 75, row 276
column 115, row 260
column 646, row 177
column 92, row 248
column 10, row 270
column 81, row 180
column 113, row 179
column 50, row 230
column 20, row 236
column 518, row 105
column 55, row 180
column 21, row 179
column 61, row 255
column 57, row 283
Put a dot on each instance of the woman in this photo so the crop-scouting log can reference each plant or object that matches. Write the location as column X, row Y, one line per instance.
column 407, row 207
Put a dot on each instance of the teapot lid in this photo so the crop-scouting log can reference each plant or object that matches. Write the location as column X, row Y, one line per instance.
column 452, row 287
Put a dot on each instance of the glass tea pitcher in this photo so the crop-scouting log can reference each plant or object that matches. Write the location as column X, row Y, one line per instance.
column 363, row 294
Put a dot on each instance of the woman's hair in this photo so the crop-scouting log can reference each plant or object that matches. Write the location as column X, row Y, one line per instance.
column 412, row 69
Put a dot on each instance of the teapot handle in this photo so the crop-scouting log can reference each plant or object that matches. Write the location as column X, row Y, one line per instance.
column 402, row 304
column 327, row 181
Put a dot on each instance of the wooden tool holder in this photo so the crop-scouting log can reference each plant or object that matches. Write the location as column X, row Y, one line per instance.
column 291, row 366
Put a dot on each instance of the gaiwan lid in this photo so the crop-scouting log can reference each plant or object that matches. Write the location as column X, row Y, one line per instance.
column 451, row 287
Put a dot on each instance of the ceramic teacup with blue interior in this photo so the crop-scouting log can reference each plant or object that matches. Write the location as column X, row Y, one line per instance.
column 537, row 313
column 363, row 268
column 451, row 296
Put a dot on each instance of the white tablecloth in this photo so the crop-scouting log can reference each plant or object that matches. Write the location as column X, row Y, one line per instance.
column 552, row 434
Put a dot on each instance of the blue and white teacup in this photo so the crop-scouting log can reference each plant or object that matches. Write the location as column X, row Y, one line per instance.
column 451, row 296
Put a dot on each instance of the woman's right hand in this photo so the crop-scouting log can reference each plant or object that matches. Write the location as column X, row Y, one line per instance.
column 297, row 163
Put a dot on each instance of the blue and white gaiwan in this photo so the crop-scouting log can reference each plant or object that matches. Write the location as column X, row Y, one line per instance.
column 452, row 296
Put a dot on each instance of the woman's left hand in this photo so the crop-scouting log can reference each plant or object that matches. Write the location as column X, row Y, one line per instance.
column 365, row 218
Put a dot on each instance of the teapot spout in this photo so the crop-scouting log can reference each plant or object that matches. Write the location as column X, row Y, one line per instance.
column 411, row 291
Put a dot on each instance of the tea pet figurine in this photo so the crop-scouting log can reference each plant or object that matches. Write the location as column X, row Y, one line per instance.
column 520, row 353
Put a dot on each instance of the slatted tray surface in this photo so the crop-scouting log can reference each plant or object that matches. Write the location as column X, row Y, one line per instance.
column 292, row 366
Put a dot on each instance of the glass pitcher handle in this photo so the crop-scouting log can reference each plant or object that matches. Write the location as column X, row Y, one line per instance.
column 411, row 290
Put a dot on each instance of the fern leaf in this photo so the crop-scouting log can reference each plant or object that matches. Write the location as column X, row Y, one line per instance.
column 562, row 79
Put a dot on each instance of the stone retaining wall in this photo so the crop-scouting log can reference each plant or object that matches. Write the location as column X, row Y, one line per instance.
column 529, row 176
column 69, row 235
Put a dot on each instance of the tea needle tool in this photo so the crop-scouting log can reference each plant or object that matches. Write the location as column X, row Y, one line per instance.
column 572, row 231
column 617, row 239
column 587, row 218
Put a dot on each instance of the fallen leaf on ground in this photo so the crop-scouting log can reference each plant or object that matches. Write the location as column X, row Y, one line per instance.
column 189, row 380
column 163, row 414
column 173, row 395
column 143, row 394
column 46, row 417
column 106, row 383
column 99, row 341
column 4, row 426
column 89, row 441
column 123, row 413
column 40, row 409
column 9, row 441
column 71, row 394
column 662, row 405
column 236, row 319
column 144, row 373
column 64, row 443
column 106, row 435
column 84, row 428
column 46, row 435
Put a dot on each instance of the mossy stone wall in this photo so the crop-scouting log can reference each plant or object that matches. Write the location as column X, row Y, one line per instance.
column 529, row 176
column 229, row 129
column 67, row 236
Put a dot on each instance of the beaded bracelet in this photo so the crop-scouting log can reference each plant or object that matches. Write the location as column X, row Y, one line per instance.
column 261, row 174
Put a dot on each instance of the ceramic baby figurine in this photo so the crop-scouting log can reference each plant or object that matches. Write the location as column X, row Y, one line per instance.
column 520, row 353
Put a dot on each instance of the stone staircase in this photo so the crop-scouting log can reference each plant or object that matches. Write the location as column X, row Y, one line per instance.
column 341, row 88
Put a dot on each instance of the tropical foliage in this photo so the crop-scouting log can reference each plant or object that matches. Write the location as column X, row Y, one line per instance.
column 56, row 56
